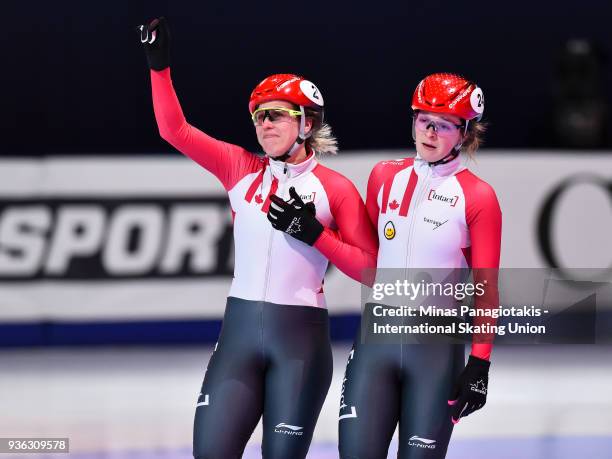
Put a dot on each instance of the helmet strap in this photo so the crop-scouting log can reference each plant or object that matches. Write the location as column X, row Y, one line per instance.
column 448, row 158
column 296, row 145
column 301, row 138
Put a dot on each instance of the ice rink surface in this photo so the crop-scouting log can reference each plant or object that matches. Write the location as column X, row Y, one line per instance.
column 547, row 402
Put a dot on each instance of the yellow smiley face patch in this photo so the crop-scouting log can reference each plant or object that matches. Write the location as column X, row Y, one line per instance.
column 389, row 230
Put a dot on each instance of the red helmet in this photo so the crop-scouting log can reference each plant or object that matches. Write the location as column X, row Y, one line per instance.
column 289, row 87
column 449, row 93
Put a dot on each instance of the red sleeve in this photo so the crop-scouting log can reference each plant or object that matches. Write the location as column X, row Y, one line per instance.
column 229, row 163
column 374, row 183
column 484, row 220
column 354, row 249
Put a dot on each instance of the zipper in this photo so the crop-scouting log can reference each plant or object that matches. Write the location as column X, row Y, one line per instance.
column 279, row 191
column 412, row 223
column 270, row 239
column 416, row 199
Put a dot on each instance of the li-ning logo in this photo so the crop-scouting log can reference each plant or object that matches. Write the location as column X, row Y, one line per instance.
column 436, row 223
column 421, row 442
column 433, row 196
column 479, row 387
column 294, row 226
column 288, row 429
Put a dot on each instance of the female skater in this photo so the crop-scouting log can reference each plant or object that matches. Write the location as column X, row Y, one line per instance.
column 430, row 212
column 273, row 357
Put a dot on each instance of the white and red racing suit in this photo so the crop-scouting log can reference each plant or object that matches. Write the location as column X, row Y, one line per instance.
column 274, row 354
column 439, row 216
column 270, row 265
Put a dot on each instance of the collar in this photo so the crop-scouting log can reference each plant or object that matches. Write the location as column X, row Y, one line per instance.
column 284, row 171
column 421, row 167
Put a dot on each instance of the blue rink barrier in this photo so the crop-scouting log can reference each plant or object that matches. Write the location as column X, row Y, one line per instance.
column 342, row 328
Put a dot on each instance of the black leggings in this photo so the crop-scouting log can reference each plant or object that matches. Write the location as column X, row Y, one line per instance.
column 273, row 360
column 398, row 382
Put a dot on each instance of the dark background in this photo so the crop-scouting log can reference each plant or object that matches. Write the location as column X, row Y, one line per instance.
column 75, row 79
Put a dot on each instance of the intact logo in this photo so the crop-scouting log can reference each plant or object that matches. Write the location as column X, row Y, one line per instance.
column 288, row 429
column 479, row 387
column 451, row 200
column 118, row 237
column 421, row 442
column 389, row 230
column 308, row 197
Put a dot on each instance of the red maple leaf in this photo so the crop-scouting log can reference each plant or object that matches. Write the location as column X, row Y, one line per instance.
column 258, row 199
column 394, row 205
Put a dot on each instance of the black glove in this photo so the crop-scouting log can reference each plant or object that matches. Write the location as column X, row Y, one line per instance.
column 470, row 391
column 295, row 218
column 155, row 37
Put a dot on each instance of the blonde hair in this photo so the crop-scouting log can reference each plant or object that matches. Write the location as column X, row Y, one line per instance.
column 323, row 140
column 474, row 137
